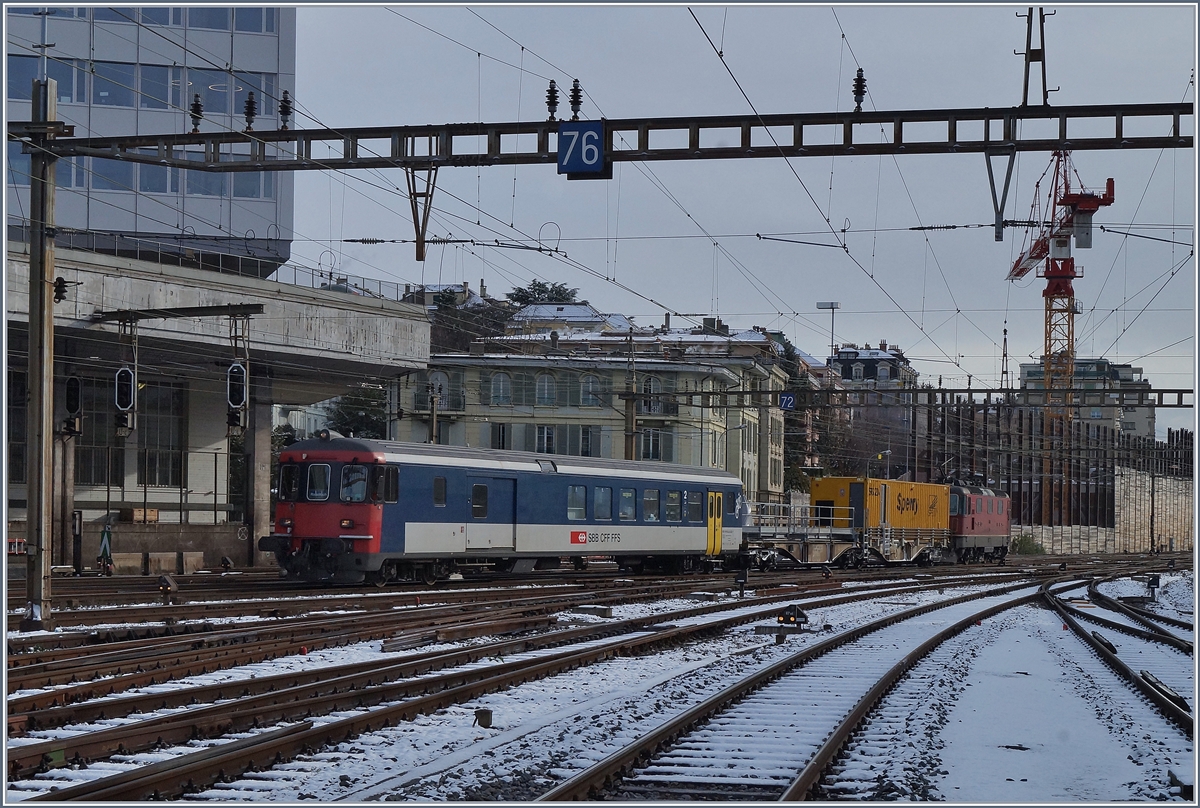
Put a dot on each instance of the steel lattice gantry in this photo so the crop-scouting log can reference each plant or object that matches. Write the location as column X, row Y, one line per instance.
column 942, row 131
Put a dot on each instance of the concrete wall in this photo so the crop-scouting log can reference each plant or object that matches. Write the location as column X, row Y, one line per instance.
column 329, row 330
column 214, row 541
column 1172, row 507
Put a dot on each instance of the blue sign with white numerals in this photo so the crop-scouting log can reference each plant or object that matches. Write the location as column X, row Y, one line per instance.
column 787, row 401
column 581, row 147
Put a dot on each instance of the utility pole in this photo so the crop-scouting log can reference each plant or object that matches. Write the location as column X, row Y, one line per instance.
column 40, row 389
column 434, row 393
column 630, row 406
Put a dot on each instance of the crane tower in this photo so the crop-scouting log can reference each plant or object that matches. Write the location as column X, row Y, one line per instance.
column 1066, row 218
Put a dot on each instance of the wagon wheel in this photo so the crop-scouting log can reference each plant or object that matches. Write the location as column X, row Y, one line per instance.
column 429, row 574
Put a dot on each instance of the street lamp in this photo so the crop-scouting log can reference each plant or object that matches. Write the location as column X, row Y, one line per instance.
column 833, row 306
column 879, row 457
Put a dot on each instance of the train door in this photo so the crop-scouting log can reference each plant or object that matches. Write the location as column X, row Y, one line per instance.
column 885, row 523
column 858, row 501
column 716, row 511
column 492, row 524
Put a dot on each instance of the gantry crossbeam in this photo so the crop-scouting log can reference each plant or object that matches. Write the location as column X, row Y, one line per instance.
column 923, row 397
column 939, row 131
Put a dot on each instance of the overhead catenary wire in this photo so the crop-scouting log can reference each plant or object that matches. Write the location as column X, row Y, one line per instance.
column 510, row 65
column 808, row 193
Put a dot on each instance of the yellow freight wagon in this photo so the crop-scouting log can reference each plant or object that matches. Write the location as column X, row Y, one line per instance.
column 901, row 521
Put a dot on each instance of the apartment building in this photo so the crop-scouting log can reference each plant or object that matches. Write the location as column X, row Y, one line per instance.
column 561, row 395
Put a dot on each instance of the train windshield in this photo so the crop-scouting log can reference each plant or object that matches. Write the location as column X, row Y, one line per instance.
column 354, row 483
column 318, row 482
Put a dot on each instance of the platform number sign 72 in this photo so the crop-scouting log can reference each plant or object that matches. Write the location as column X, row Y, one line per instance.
column 787, row 401
column 581, row 147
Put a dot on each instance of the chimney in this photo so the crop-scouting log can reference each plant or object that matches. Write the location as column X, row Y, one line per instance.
column 667, row 321
column 554, row 340
column 482, row 288
column 883, row 345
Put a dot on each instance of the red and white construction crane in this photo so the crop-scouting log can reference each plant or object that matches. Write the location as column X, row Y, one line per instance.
column 1067, row 217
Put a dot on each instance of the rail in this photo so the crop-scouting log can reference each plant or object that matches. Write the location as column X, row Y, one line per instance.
column 584, row 784
column 1168, row 707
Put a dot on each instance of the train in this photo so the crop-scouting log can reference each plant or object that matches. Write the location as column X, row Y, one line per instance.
column 900, row 521
column 351, row 510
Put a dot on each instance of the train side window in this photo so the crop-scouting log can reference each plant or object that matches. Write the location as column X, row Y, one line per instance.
column 978, row 505
column 999, row 506
column 289, row 482
column 674, row 506
column 989, row 505
column 577, row 502
column 627, row 505
column 650, row 505
column 387, row 484
column 354, row 483
column 695, row 506
column 479, row 496
column 601, row 502
column 318, row 482
column 954, row 504
column 439, row 492
column 731, row 503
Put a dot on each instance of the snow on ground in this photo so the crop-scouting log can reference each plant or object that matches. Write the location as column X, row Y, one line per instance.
column 561, row 724
column 1013, row 711
column 565, row 722
column 1040, row 719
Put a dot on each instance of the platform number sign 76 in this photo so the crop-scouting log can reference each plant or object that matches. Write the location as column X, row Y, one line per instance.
column 581, row 147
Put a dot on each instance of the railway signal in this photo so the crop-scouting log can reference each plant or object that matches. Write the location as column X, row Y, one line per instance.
column 236, row 397
column 74, row 401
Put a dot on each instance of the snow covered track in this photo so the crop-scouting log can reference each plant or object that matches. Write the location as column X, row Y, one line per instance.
column 391, row 722
column 364, row 691
column 1163, row 699
column 716, row 749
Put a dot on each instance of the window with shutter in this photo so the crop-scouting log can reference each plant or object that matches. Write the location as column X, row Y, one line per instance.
column 523, row 389
column 589, row 388
column 546, row 391
column 501, row 389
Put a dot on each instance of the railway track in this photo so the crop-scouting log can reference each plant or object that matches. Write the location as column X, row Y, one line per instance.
column 970, row 722
column 399, row 700
column 376, row 697
column 715, row 750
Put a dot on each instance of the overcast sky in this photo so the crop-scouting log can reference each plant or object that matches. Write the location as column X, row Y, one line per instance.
column 653, row 226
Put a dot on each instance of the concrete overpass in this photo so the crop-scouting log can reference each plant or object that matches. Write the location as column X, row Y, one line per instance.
column 307, row 345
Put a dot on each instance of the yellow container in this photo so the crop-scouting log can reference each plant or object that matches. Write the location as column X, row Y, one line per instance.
column 889, row 503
